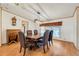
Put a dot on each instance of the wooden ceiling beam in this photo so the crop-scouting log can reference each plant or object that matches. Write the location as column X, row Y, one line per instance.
column 52, row 24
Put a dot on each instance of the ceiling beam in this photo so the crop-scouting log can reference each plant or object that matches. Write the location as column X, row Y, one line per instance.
column 52, row 24
column 17, row 14
column 24, row 8
column 42, row 9
column 36, row 11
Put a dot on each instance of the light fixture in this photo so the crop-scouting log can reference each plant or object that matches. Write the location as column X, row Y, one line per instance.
column 38, row 17
column 17, row 4
column 38, row 12
column 14, row 21
column 35, row 20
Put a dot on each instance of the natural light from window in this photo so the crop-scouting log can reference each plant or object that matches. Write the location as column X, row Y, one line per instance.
column 56, row 30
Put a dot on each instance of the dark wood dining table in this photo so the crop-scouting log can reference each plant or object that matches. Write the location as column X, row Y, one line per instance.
column 33, row 39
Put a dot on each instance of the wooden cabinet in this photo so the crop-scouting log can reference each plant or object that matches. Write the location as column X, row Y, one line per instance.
column 12, row 35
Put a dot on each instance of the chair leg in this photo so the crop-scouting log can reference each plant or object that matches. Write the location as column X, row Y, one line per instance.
column 24, row 51
column 44, row 49
column 51, row 42
column 47, row 47
column 20, row 49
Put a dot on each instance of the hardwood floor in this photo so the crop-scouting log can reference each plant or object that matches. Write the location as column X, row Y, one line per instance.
column 59, row 48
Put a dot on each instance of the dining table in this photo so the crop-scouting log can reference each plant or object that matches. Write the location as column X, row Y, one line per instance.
column 33, row 39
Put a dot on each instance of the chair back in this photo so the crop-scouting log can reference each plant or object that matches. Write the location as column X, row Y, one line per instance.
column 22, row 39
column 35, row 32
column 50, row 35
column 46, row 37
column 29, row 32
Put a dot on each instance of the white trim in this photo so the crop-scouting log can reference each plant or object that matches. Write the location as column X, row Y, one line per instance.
column 1, row 27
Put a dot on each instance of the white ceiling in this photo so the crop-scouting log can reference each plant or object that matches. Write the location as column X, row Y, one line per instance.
column 48, row 11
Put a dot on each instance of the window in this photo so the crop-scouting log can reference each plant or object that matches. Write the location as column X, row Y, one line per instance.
column 42, row 31
column 56, row 30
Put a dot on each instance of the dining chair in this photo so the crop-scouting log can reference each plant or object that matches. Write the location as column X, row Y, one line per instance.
column 50, row 40
column 35, row 32
column 23, row 43
column 44, row 41
column 29, row 32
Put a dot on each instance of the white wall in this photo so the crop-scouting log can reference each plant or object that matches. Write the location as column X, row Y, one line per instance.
column 0, row 26
column 33, row 26
column 68, row 29
column 6, row 24
column 77, row 28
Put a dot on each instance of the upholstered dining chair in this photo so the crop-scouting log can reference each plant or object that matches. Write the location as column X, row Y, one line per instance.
column 50, row 40
column 23, row 43
column 44, row 41
column 35, row 32
column 29, row 32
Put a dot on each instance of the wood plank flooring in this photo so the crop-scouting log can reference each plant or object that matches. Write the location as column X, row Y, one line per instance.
column 59, row 48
